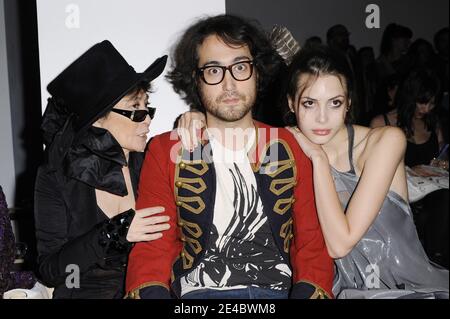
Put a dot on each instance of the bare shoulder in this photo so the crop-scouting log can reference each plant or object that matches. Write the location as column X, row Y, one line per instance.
column 388, row 137
column 391, row 133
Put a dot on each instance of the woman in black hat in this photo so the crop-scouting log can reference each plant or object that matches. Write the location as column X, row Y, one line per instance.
column 95, row 130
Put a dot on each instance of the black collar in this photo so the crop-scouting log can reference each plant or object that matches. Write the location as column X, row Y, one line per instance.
column 97, row 160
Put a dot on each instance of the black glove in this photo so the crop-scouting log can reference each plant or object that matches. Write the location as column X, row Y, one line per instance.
column 113, row 234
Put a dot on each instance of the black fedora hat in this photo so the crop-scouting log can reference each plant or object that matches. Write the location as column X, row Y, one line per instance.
column 96, row 81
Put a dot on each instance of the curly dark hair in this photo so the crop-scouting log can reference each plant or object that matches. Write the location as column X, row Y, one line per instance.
column 317, row 61
column 233, row 30
column 421, row 85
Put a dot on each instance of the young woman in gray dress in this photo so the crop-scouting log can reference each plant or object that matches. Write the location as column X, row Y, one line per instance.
column 360, row 187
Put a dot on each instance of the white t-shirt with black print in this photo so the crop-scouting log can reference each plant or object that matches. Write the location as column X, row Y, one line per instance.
column 241, row 251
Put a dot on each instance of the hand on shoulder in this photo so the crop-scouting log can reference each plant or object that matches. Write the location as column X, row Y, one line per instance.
column 311, row 150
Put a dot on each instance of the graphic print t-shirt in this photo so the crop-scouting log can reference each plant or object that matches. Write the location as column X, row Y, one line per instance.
column 241, row 251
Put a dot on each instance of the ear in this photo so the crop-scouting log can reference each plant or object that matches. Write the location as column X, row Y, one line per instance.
column 349, row 104
column 291, row 103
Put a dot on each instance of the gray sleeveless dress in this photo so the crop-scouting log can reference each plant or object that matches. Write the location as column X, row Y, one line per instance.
column 389, row 261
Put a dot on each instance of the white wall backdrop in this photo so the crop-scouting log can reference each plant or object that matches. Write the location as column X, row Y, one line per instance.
column 7, row 169
column 141, row 30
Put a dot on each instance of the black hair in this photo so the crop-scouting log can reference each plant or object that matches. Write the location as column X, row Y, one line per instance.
column 316, row 62
column 335, row 30
column 439, row 34
column 393, row 31
column 133, row 92
column 140, row 86
column 313, row 41
column 417, row 44
column 364, row 49
column 420, row 86
column 233, row 30
column 382, row 100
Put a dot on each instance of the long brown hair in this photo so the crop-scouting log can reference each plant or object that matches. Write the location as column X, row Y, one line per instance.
column 317, row 61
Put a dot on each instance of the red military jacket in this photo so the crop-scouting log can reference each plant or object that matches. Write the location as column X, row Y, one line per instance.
column 185, row 186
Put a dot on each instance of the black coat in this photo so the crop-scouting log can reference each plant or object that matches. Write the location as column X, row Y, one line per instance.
column 72, row 232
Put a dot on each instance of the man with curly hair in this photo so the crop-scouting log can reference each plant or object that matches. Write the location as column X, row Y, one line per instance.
column 241, row 202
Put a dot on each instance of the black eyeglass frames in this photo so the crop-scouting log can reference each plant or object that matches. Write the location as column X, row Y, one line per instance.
column 214, row 74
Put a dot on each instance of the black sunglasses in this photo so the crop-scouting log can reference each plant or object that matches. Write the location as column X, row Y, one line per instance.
column 137, row 115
